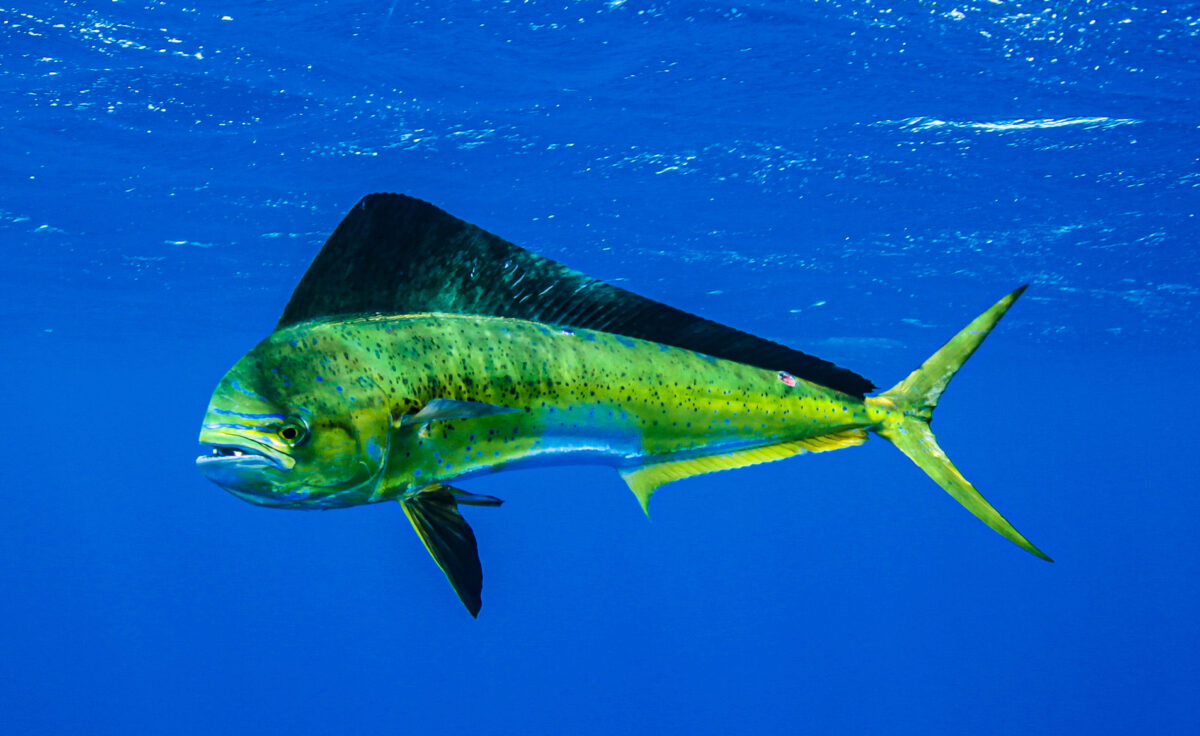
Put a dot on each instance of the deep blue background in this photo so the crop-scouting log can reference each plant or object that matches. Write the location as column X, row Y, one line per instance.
column 856, row 179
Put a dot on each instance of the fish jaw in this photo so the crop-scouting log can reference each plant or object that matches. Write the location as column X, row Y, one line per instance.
column 246, row 468
column 225, row 447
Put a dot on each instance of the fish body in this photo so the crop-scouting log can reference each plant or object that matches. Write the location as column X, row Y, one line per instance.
column 358, row 398
column 581, row 396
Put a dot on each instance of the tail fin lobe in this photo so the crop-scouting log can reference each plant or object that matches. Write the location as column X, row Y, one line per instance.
column 917, row 441
column 920, row 391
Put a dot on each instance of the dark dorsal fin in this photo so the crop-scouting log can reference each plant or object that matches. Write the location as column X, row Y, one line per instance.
column 394, row 254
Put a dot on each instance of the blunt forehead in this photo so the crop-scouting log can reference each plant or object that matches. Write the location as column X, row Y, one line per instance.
column 307, row 366
column 244, row 391
column 264, row 380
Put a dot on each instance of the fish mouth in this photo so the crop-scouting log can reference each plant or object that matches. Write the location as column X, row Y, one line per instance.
column 229, row 452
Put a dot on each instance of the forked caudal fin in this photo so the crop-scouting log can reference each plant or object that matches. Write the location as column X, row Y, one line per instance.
column 908, row 407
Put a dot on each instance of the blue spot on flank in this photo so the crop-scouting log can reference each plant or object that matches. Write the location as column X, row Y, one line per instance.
column 625, row 341
column 417, row 473
column 320, row 379
column 339, row 388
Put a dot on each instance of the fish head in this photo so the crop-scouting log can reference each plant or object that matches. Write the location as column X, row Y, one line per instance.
column 291, row 428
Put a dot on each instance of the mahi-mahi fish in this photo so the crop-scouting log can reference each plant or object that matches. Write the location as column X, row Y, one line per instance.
column 419, row 350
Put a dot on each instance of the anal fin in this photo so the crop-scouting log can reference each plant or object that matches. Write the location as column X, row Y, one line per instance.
column 835, row 441
column 646, row 479
column 433, row 513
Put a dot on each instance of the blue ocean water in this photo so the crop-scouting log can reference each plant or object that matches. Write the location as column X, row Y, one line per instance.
column 856, row 179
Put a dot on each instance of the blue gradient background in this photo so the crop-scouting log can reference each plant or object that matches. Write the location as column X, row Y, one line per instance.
column 857, row 179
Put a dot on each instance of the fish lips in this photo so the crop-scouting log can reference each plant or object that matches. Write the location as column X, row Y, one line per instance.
column 235, row 462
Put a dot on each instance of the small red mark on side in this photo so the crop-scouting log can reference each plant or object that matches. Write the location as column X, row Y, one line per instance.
column 787, row 378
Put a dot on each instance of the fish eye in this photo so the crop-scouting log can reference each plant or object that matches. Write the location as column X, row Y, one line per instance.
column 294, row 431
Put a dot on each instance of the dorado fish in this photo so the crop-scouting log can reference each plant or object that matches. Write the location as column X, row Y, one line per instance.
column 419, row 350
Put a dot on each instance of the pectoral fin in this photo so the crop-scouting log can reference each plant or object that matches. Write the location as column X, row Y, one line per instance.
column 434, row 514
column 441, row 409
column 473, row 499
